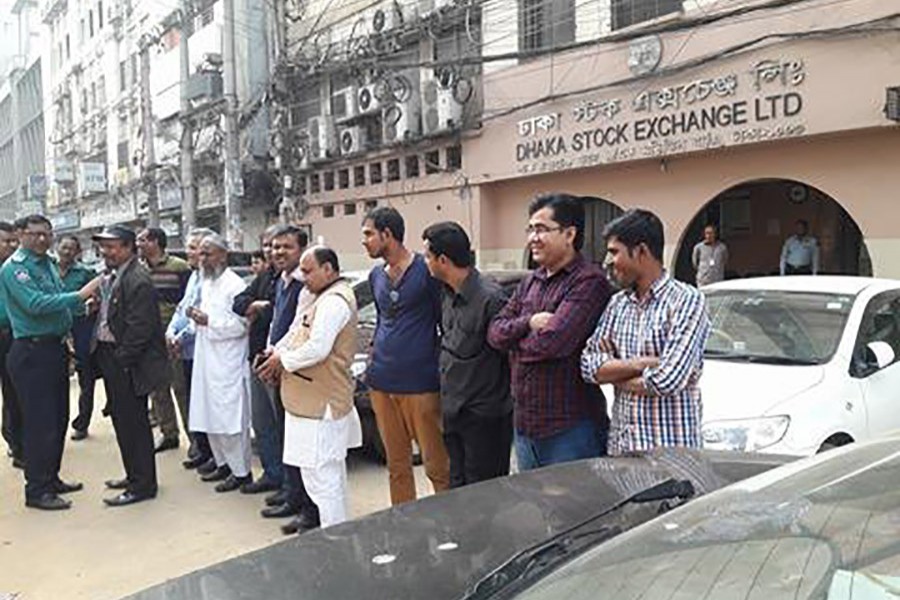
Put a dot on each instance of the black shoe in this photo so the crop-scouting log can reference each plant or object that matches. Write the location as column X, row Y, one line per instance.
column 279, row 512
column 220, row 474
column 232, row 483
column 301, row 524
column 263, row 484
column 196, row 462
column 208, row 467
column 277, row 499
column 167, row 443
column 78, row 435
column 116, row 484
column 61, row 487
column 126, row 498
column 48, row 501
column 18, row 463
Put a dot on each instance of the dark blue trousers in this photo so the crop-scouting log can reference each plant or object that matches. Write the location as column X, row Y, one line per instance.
column 39, row 373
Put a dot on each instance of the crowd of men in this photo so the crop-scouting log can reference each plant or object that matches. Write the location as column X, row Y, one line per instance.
column 455, row 366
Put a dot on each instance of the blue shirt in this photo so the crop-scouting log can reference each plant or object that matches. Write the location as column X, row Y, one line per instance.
column 406, row 345
column 35, row 300
column 181, row 327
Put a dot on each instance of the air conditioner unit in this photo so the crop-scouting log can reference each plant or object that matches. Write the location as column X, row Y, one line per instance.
column 367, row 99
column 322, row 142
column 429, row 7
column 344, row 103
column 386, row 18
column 440, row 110
column 401, row 121
column 352, row 140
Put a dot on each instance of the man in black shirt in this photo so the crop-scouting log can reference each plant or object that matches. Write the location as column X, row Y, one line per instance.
column 475, row 394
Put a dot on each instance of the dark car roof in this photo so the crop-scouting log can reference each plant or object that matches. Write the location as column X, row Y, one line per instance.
column 439, row 546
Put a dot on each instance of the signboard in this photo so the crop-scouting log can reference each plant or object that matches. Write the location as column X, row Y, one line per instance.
column 107, row 212
column 63, row 171
column 29, row 207
column 37, row 186
column 763, row 102
column 91, row 178
column 169, row 196
column 65, row 220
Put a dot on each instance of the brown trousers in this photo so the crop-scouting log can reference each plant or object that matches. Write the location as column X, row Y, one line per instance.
column 164, row 407
column 402, row 419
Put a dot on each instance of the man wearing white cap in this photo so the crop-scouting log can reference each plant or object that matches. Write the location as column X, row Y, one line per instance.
column 220, row 383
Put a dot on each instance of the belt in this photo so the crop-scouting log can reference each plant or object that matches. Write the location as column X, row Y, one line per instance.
column 42, row 339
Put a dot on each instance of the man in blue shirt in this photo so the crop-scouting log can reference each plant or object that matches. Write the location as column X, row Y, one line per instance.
column 403, row 370
column 40, row 313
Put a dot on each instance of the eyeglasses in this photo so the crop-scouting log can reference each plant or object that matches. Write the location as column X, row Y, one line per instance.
column 540, row 230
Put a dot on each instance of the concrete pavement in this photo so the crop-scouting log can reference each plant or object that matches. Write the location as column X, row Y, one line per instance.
column 96, row 552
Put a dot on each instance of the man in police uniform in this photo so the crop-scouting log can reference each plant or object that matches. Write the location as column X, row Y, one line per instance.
column 40, row 313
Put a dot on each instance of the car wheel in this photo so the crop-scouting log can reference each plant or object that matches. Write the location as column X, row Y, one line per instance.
column 835, row 441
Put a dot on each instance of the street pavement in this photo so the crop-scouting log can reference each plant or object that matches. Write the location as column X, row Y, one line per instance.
column 95, row 552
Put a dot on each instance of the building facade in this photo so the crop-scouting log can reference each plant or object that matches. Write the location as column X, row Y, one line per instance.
column 746, row 115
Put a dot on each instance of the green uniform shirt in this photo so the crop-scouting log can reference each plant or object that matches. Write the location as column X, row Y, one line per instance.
column 76, row 278
column 34, row 296
column 169, row 278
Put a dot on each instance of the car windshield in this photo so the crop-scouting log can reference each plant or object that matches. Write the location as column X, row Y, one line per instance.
column 776, row 326
column 827, row 528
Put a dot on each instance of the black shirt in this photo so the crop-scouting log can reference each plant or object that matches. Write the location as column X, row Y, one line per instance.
column 474, row 376
column 261, row 288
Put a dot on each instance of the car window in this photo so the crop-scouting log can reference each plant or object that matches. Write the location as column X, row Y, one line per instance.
column 776, row 324
column 880, row 323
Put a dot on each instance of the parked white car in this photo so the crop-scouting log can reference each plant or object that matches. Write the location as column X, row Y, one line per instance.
column 796, row 365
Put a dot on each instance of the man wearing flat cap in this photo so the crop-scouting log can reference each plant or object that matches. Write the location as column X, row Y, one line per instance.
column 131, row 353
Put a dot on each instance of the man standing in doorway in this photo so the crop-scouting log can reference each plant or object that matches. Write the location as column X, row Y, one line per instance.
column 40, row 314
column 649, row 343
column 800, row 253
column 558, row 417
column 475, row 394
column 220, row 386
column 710, row 257
column 180, row 335
column 74, row 276
column 131, row 353
column 403, row 370
column 12, row 409
column 313, row 364
column 169, row 275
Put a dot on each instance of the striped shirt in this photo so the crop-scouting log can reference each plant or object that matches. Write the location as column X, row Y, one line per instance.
column 672, row 324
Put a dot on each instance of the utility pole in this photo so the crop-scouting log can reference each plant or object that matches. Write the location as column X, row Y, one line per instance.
column 148, row 169
column 233, row 181
column 188, row 196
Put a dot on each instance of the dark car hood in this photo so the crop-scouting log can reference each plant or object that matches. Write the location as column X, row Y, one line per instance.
column 439, row 546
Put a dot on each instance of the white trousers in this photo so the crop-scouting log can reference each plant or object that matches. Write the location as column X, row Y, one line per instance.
column 327, row 486
column 232, row 450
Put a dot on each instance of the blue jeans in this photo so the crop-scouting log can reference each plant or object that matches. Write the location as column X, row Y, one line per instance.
column 267, row 429
column 584, row 440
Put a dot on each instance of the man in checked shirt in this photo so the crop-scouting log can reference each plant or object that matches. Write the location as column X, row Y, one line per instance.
column 649, row 343
column 558, row 417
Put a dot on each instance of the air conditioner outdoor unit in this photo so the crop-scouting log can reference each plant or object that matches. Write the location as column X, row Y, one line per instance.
column 440, row 110
column 401, row 121
column 322, row 142
column 429, row 7
column 352, row 140
column 367, row 100
column 344, row 103
column 386, row 18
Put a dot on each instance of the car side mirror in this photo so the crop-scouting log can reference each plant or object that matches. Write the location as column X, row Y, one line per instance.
column 879, row 355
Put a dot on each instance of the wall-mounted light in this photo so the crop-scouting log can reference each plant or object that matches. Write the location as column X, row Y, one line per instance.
column 892, row 103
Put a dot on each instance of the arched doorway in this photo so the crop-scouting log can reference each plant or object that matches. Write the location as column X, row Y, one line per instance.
column 756, row 217
column 597, row 213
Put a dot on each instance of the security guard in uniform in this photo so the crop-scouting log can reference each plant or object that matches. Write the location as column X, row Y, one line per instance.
column 41, row 315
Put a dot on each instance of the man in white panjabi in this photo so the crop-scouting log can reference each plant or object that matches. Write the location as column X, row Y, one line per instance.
column 220, row 383
column 313, row 363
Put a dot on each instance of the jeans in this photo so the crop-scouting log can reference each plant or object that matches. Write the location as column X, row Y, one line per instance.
column 584, row 440
column 268, row 432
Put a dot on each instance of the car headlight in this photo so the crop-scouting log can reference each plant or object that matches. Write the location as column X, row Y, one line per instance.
column 748, row 435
